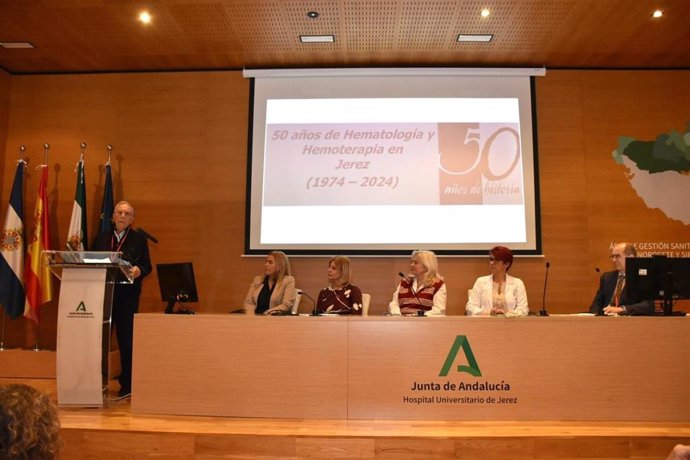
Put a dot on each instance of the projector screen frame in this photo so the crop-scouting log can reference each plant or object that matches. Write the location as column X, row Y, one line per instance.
column 383, row 251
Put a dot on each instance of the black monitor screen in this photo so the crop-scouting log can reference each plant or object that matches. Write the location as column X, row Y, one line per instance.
column 177, row 282
column 659, row 278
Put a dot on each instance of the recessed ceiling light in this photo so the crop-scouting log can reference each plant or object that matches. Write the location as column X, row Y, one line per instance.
column 475, row 37
column 657, row 14
column 485, row 13
column 317, row 38
column 313, row 14
column 145, row 17
column 17, row 45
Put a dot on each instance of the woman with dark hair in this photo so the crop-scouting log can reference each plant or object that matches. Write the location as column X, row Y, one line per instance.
column 272, row 293
column 341, row 296
column 498, row 293
column 29, row 424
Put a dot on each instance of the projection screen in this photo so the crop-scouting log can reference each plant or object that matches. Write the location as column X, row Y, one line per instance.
column 387, row 161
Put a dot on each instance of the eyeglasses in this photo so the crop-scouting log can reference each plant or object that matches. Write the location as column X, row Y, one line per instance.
column 493, row 260
column 615, row 256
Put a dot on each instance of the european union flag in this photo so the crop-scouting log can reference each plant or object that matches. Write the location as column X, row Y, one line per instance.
column 107, row 209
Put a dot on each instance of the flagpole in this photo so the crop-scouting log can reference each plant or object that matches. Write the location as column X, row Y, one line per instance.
column 2, row 337
column 46, row 147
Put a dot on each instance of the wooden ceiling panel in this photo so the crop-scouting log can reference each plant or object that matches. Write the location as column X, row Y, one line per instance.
column 427, row 25
column 102, row 35
column 261, row 26
column 369, row 26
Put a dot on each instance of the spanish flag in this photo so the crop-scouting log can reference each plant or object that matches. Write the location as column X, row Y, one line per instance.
column 37, row 278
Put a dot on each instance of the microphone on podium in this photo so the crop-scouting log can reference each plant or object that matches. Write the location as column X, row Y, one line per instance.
column 596, row 269
column 301, row 292
column 543, row 311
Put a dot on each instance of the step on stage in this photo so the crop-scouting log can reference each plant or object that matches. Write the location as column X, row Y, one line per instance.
column 116, row 433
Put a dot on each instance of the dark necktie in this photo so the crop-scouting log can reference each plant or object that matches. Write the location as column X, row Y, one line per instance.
column 620, row 284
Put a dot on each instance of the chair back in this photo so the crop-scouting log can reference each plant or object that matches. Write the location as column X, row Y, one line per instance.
column 366, row 300
column 298, row 299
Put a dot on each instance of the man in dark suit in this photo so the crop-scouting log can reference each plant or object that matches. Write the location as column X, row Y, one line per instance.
column 613, row 296
column 135, row 250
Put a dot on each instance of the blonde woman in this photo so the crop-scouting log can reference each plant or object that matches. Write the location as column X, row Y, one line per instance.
column 341, row 296
column 272, row 293
column 422, row 291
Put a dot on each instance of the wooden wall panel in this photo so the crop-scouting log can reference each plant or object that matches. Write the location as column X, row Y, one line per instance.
column 4, row 117
column 180, row 142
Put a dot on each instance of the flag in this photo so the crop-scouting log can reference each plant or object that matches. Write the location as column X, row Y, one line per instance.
column 77, row 239
column 12, row 250
column 39, row 288
column 107, row 209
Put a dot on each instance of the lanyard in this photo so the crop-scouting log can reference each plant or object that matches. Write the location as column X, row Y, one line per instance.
column 116, row 248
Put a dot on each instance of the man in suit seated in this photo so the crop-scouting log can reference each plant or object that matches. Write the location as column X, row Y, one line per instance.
column 613, row 296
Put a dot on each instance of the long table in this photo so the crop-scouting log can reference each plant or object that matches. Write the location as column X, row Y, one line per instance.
column 452, row 368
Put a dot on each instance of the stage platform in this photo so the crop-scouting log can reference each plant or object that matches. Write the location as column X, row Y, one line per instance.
column 115, row 433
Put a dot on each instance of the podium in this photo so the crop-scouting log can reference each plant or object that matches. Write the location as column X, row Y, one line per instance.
column 83, row 327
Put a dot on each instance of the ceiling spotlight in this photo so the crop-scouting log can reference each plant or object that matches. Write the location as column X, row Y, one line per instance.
column 657, row 14
column 144, row 17
column 485, row 13
column 313, row 14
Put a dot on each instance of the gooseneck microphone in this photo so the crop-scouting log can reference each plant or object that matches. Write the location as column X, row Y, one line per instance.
column 543, row 311
column 147, row 235
column 409, row 280
column 313, row 312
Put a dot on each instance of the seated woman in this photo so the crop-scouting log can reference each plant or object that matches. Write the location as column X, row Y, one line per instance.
column 423, row 291
column 498, row 293
column 340, row 296
column 272, row 293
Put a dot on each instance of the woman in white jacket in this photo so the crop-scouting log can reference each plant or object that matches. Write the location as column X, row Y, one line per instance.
column 498, row 293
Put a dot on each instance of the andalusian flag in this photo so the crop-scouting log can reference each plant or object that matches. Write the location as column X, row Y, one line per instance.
column 76, row 235
column 12, row 250
column 108, row 206
column 39, row 286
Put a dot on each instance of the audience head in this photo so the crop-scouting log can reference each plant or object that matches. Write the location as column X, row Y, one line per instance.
column 339, row 271
column 425, row 265
column 501, row 255
column 619, row 253
column 679, row 452
column 277, row 265
column 29, row 424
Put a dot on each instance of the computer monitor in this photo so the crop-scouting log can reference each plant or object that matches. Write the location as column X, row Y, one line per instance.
column 659, row 278
column 177, row 284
